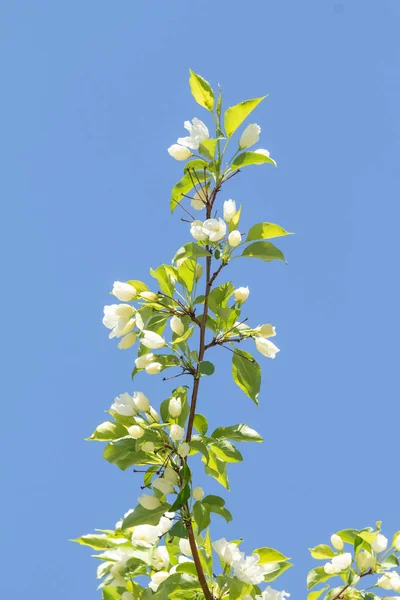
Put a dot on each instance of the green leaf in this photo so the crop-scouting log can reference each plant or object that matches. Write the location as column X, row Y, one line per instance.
column 216, row 468
column 201, row 514
column 266, row 231
column 264, row 250
column 112, row 593
column 234, row 222
column 348, row 535
column 214, row 501
column 280, row 568
column 186, row 274
column 178, row 530
column 157, row 323
column 187, row 567
column 390, row 562
column 246, row 374
column 191, row 250
column 226, row 451
column 199, row 446
column 200, row 423
column 138, row 285
column 245, row 159
column 183, row 186
column 181, row 498
column 165, row 276
column 315, row 576
column 238, row 589
column 238, row 433
column 201, row 90
column 108, row 431
column 208, row 147
column 198, row 164
column 142, row 516
column 206, row 367
column 269, row 555
column 235, row 115
column 322, row 551
column 95, row 541
column 219, row 296
column 182, row 338
column 123, row 454
column 317, row 594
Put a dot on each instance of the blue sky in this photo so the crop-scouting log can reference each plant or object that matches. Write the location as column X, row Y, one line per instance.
column 93, row 93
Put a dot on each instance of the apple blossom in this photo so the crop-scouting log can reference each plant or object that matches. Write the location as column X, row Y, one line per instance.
column 336, row 540
column 153, row 368
column 199, row 199
column 198, row 132
column 226, row 551
column 166, row 522
column 270, row 594
column 153, row 414
column 379, row 543
column 365, row 560
column 179, row 152
column 338, row 563
column 150, row 296
column 234, row 238
column 177, row 325
column 160, row 558
column 198, row 494
column 265, row 347
column 157, row 579
column 175, row 407
column 176, row 432
column 198, row 232
column 215, row 229
column 164, row 486
column 241, row 294
column 124, row 405
column 184, row 450
column 389, row 581
column 127, row 341
column 229, row 210
column 149, row 502
column 145, row 535
column 248, row 569
column 250, row 136
column 152, row 340
column 124, row 291
column 143, row 361
column 136, row 432
column 141, row 401
column 119, row 318
column 262, row 152
column 171, row 475
column 267, row 331
column 184, row 547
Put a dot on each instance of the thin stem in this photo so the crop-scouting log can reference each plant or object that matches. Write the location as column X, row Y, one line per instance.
column 341, row 592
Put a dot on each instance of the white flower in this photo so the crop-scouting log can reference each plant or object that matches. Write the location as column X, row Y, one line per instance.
column 176, row 432
column 267, row 331
column 199, row 199
column 241, row 294
column 229, row 210
column 145, row 535
column 215, row 229
column 152, row 340
column 141, row 401
column 160, row 558
column 153, row 368
column 250, row 136
column 365, row 560
column 270, row 594
column 198, row 494
column 184, row 449
column 149, row 502
column 148, row 447
column 124, row 291
column 198, row 132
column 197, row 231
column 154, row 415
column 119, row 318
column 248, row 570
column 166, row 523
column 127, row 596
column 157, row 579
column 336, row 540
column 175, row 407
column 142, row 361
column 151, row 296
column 226, row 551
column 177, row 325
column 127, row 341
column 124, row 405
column 234, row 238
column 338, row 563
column 390, row 581
column 266, row 348
column 179, row 152
column 379, row 544
column 136, row 432
column 184, row 547
column 263, row 152
column 171, row 475
column 164, row 486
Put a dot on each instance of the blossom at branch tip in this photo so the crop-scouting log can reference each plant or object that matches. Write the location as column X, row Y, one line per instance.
column 229, row 210
column 175, row 407
column 124, row 405
column 166, row 523
column 198, row 494
column 164, row 486
column 153, row 368
column 241, row 294
column 226, row 551
column 145, row 535
column 198, row 132
column 215, row 229
column 177, row 325
column 141, row 401
column 184, row 450
column 338, row 563
column 379, row 543
column 136, row 432
column 389, row 581
column 128, row 341
column 119, row 318
column 141, row 362
column 160, row 558
column 248, row 569
column 267, row 331
column 234, row 238
column 124, row 291
column 149, row 502
column 365, row 560
column 171, row 475
column 250, row 136
column 199, row 199
column 157, row 579
column 152, row 340
column 197, row 231
column 176, row 432
column 266, row 348
column 179, row 152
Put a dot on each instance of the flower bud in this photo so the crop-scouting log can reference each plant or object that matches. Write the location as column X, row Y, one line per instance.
column 154, row 415
column 198, row 494
column 141, row 401
column 152, row 340
column 184, row 547
column 175, row 407
column 379, row 544
column 336, row 540
column 127, row 341
column 149, row 502
column 148, row 447
column 250, row 136
column 136, row 432
column 176, row 432
column 198, row 271
column 153, row 368
column 184, row 450
column 365, row 560
column 179, row 152
column 241, row 294
column 197, row 231
column 234, row 238
column 177, row 325
column 267, row 331
column 229, row 210
column 171, row 475
column 142, row 361
column 151, row 296
column 124, row 291
column 164, row 486
column 266, row 348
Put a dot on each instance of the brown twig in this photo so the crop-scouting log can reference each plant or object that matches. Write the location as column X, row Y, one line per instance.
column 342, row 591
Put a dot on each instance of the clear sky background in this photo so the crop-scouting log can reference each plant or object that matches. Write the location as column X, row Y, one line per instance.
column 93, row 93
